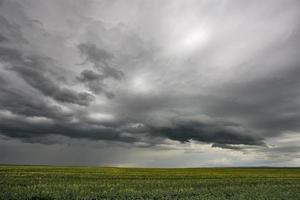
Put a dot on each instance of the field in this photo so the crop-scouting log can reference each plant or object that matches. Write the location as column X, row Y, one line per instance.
column 45, row 182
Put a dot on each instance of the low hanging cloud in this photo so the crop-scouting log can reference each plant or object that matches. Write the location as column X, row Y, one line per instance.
column 212, row 132
column 223, row 76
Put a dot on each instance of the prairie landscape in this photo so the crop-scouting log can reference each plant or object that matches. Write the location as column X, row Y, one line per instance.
column 49, row 183
column 149, row 99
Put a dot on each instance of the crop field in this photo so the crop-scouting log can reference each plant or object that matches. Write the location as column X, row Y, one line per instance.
column 45, row 182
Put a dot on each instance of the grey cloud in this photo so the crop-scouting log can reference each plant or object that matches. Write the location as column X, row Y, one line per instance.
column 10, row 55
column 89, row 75
column 22, row 103
column 31, row 69
column 39, row 81
column 94, row 54
column 226, row 146
column 3, row 39
column 101, row 60
column 94, row 82
column 31, row 118
column 210, row 132
column 11, row 31
column 269, row 103
column 31, row 129
column 35, row 69
column 161, row 65
column 286, row 149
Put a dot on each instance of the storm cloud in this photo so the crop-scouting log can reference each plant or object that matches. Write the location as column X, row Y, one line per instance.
column 152, row 79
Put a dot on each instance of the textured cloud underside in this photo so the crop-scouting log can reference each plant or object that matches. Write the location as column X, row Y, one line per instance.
column 152, row 74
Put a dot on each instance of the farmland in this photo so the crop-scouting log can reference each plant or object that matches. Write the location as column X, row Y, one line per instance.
column 46, row 182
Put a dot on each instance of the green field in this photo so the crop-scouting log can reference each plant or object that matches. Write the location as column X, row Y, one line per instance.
column 45, row 182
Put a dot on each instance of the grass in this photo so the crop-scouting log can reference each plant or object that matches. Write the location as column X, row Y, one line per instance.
column 46, row 182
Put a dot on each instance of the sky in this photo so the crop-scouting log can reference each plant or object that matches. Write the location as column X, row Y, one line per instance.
column 150, row 83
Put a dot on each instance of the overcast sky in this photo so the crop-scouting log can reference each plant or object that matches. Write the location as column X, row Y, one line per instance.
column 150, row 83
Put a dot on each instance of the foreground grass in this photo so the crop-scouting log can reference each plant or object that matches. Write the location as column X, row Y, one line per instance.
column 43, row 182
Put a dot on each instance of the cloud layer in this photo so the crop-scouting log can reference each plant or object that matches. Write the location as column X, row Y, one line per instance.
column 218, row 78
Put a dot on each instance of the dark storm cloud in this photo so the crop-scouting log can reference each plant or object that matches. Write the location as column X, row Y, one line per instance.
column 33, row 71
column 223, row 75
column 10, row 31
column 38, row 80
column 30, row 118
column 94, row 82
column 101, row 59
column 184, row 130
column 269, row 103
column 22, row 103
column 10, row 55
column 89, row 75
column 31, row 129
column 3, row 39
